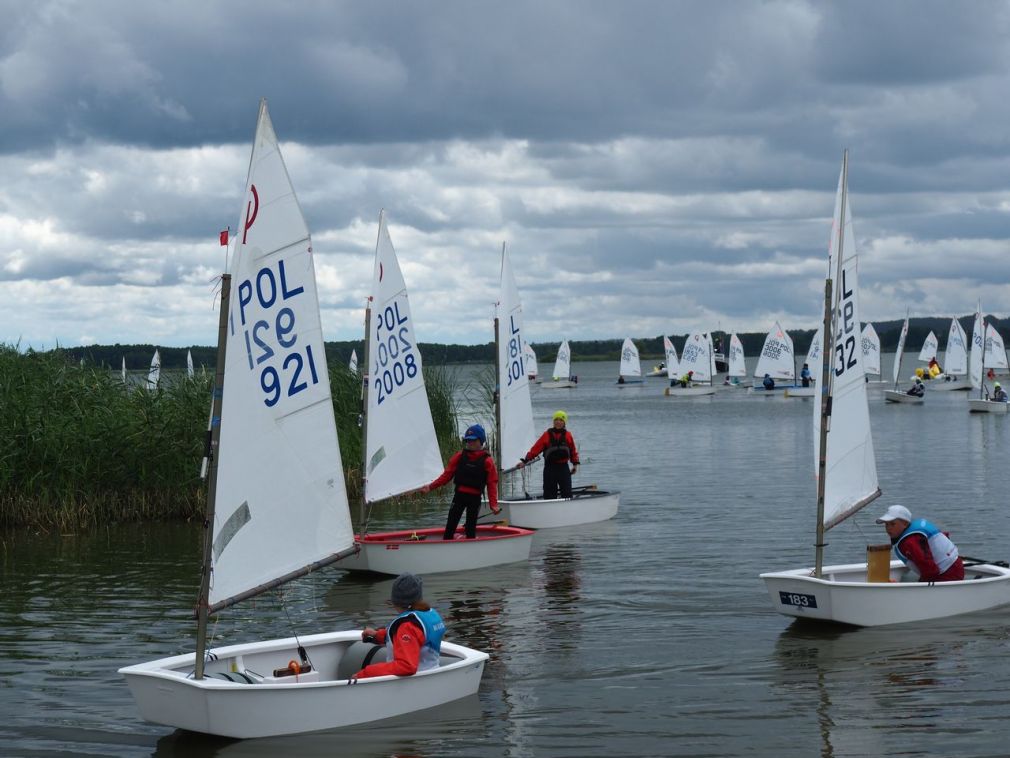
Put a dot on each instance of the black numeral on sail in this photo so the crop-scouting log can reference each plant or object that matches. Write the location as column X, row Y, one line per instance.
column 845, row 348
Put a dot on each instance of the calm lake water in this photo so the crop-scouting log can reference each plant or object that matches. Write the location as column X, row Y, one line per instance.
column 648, row 635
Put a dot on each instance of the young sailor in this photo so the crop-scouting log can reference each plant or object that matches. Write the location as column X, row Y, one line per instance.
column 413, row 639
column 471, row 470
column 558, row 448
column 928, row 552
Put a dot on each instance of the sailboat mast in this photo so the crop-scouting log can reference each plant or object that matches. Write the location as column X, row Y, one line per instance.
column 497, row 376
column 827, row 355
column 203, row 601
column 364, row 390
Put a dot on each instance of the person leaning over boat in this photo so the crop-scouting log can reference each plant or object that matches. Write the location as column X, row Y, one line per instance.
column 413, row 639
column 768, row 383
column 805, row 376
column 684, row 380
column 928, row 552
column 999, row 394
column 558, row 447
column 472, row 470
column 918, row 389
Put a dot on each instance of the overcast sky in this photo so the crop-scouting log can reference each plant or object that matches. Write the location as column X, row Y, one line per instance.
column 655, row 167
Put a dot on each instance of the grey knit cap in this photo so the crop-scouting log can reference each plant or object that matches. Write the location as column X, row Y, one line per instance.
column 407, row 589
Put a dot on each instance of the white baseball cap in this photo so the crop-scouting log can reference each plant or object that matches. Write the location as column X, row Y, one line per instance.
column 895, row 512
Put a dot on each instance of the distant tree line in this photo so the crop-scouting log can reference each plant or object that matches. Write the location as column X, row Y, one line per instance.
column 138, row 357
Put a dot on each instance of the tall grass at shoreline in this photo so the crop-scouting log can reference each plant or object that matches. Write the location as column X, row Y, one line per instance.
column 78, row 448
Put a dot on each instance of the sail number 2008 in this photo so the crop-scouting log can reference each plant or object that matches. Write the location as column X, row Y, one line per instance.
column 845, row 344
column 395, row 363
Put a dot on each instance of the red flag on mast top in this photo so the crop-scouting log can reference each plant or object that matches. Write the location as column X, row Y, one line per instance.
column 224, row 237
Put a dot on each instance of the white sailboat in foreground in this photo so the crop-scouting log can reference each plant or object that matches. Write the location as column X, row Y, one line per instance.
column 277, row 507
column 847, row 481
column 401, row 450
column 562, row 377
column 896, row 395
column 516, row 434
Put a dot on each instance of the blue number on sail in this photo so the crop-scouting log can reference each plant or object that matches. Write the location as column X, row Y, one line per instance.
column 395, row 362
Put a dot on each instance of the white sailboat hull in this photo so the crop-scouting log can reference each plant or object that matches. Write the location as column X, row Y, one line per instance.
column 896, row 396
column 582, row 508
column 689, row 391
column 980, row 405
column 800, row 391
column 939, row 385
column 844, row 596
column 423, row 551
column 779, row 389
column 558, row 384
column 323, row 699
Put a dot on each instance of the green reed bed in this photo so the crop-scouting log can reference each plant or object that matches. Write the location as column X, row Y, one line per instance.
column 79, row 448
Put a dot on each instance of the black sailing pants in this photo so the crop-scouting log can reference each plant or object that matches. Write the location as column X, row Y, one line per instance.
column 557, row 477
column 462, row 501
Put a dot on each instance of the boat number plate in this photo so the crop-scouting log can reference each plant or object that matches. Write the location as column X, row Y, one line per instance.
column 798, row 599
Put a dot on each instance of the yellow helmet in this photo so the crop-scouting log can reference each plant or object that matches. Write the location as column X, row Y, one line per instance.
column 560, row 415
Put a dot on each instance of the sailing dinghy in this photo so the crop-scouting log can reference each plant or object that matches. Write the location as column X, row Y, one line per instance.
column 847, row 481
column 631, row 366
column 530, row 358
column 562, row 377
column 871, row 352
column 154, row 374
column 813, row 359
column 276, row 504
column 401, row 450
column 778, row 360
column 697, row 357
column 896, row 395
column 985, row 354
column 516, row 434
column 955, row 365
column 737, row 369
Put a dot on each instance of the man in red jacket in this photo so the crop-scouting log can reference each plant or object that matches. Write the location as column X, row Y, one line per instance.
column 558, row 448
column 472, row 470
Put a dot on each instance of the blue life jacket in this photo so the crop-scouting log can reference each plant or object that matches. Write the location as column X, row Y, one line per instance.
column 944, row 551
column 434, row 630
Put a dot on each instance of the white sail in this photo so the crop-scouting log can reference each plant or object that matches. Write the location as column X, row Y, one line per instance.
column 563, row 365
column 777, row 357
column 280, row 498
column 630, row 365
column 711, row 357
column 697, row 357
column 814, row 353
column 851, row 470
column 977, row 347
column 929, row 348
column 189, row 364
column 154, row 374
column 995, row 352
column 530, row 359
column 402, row 452
column 670, row 355
column 871, row 350
column 956, row 356
column 899, row 351
column 124, row 369
column 353, row 364
column 737, row 363
column 516, row 411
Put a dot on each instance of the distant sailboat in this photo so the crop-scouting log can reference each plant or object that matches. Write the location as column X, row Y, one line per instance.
column 189, row 364
column 630, row 371
column 777, row 359
column 698, row 359
column 353, row 365
column 895, row 395
column 737, row 362
column 955, row 361
column 987, row 353
column 562, row 377
column 871, row 351
column 530, row 358
column 154, row 374
column 124, row 369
